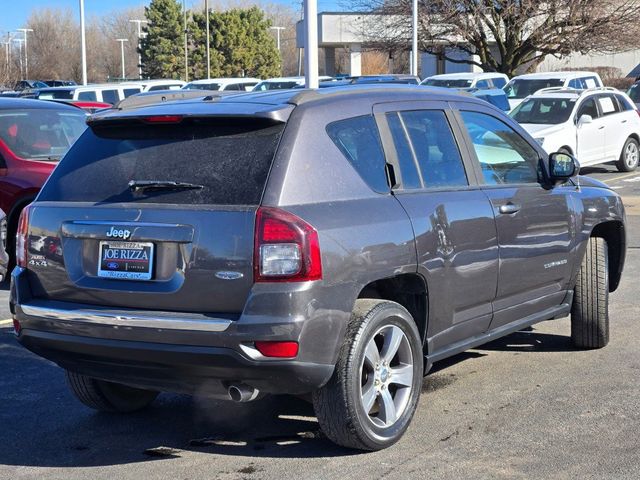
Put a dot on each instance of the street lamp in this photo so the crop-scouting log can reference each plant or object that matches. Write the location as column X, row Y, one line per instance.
column 414, row 39
column 311, row 43
column 26, row 50
column 186, row 51
column 122, row 40
column 278, row 29
column 83, row 44
column 20, row 42
column 206, row 12
column 139, row 23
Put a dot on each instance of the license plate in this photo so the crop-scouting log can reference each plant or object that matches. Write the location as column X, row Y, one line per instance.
column 126, row 260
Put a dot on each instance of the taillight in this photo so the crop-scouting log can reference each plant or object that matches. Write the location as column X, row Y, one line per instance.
column 278, row 349
column 22, row 236
column 287, row 248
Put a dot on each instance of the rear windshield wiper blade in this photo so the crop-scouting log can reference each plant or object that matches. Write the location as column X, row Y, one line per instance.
column 142, row 185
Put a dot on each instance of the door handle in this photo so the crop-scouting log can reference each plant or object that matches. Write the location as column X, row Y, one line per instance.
column 601, row 127
column 509, row 208
column 624, row 121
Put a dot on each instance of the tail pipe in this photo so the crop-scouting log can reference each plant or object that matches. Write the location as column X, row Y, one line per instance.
column 242, row 393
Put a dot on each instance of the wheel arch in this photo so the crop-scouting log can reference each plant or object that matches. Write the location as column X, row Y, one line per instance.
column 409, row 290
column 613, row 232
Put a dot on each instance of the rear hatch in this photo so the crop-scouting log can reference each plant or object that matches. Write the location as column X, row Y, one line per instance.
column 155, row 213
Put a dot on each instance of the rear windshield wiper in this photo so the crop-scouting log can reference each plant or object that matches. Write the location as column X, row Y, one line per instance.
column 142, row 185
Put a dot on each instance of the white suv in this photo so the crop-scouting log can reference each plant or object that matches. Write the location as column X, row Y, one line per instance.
column 480, row 81
column 522, row 86
column 596, row 125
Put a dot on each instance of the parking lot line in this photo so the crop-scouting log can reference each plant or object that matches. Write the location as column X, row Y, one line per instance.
column 627, row 175
column 6, row 322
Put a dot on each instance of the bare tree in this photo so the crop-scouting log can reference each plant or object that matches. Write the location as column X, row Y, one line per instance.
column 506, row 35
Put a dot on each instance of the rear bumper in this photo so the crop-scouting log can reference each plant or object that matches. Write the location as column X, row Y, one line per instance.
column 177, row 352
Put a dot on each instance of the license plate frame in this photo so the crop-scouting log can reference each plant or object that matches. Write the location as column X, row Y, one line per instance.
column 126, row 266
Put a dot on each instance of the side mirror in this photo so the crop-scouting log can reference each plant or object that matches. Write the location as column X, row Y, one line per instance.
column 585, row 119
column 562, row 166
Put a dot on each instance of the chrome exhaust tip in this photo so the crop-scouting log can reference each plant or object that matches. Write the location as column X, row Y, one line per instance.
column 242, row 393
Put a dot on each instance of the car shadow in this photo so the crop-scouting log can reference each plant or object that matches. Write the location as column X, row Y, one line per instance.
column 530, row 340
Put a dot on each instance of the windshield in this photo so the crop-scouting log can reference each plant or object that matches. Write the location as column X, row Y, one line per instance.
column 202, row 86
column 521, row 88
column 262, row 86
column 447, row 83
column 634, row 93
column 39, row 133
column 56, row 95
column 544, row 111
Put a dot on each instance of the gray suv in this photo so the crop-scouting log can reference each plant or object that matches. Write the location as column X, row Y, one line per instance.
column 334, row 243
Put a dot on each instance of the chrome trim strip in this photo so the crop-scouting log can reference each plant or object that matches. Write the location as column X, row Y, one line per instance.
column 140, row 321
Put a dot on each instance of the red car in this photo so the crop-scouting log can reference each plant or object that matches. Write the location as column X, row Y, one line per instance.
column 34, row 135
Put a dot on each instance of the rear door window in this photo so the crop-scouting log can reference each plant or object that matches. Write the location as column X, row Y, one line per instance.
column 608, row 105
column 499, row 82
column 88, row 96
column 132, row 91
column 358, row 140
column 110, row 96
column 229, row 159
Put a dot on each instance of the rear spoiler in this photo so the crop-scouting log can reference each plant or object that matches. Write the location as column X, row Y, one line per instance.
column 159, row 96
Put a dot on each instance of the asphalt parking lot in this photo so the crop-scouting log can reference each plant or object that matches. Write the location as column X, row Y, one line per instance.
column 525, row 406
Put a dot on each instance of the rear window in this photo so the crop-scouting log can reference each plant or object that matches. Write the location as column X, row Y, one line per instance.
column 55, row 94
column 230, row 160
column 40, row 133
column 521, row 88
column 88, row 96
column 110, row 96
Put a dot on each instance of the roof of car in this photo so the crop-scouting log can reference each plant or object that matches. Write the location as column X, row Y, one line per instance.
column 92, row 85
column 572, row 93
column 224, row 80
column 558, row 75
column 275, row 103
column 467, row 75
column 10, row 102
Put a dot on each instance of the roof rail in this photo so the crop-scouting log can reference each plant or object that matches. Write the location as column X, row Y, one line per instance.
column 606, row 89
column 559, row 89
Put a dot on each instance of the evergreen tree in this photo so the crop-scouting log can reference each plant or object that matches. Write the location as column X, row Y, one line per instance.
column 241, row 45
column 162, row 49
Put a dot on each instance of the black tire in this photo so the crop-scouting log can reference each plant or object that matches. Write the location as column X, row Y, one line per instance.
column 107, row 396
column 629, row 157
column 339, row 404
column 590, row 310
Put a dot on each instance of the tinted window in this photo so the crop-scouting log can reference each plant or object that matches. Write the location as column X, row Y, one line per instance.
column 55, row 94
column 233, row 86
column 89, row 96
column 408, row 166
column 202, row 86
column 358, row 140
column 577, row 83
column 482, row 84
column 231, row 160
column 435, row 148
column 505, row 157
column 128, row 92
column 447, row 83
column 110, row 96
column 521, row 88
column 588, row 107
column 543, row 111
column 499, row 82
column 625, row 104
column 40, row 134
column 634, row 92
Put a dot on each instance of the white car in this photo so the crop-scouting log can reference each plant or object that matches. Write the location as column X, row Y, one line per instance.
column 596, row 125
column 480, row 81
column 283, row 83
column 158, row 84
column 522, row 86
column 223, row 84
column 108, row 92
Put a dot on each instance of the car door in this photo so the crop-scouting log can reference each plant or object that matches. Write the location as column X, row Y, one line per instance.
column 590, row 139
column 453, row 222
column 616, row 126
column 535, row 228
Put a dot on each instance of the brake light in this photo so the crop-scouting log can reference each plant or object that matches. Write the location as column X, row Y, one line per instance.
column 287, row 248
column 21, row 237
column 278, row 349
column 163, row 119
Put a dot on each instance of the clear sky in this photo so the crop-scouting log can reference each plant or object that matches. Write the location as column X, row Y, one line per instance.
column 13, row 14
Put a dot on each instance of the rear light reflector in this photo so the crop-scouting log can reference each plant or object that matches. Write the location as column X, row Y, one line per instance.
column 278, row 349
column 16, row 326
column 287, row 248
column 22, row 237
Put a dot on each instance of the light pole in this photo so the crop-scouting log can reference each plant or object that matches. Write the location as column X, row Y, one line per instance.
column 414, row 39
column 83, row 44
column 206, row 12
column 186, row 52
column 20, row 42
column 139, row 23
column 277, row 29
column 311, row 43
column 26, row 50
column 122, row 40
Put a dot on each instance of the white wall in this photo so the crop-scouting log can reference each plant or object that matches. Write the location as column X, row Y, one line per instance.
column 624, row 61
